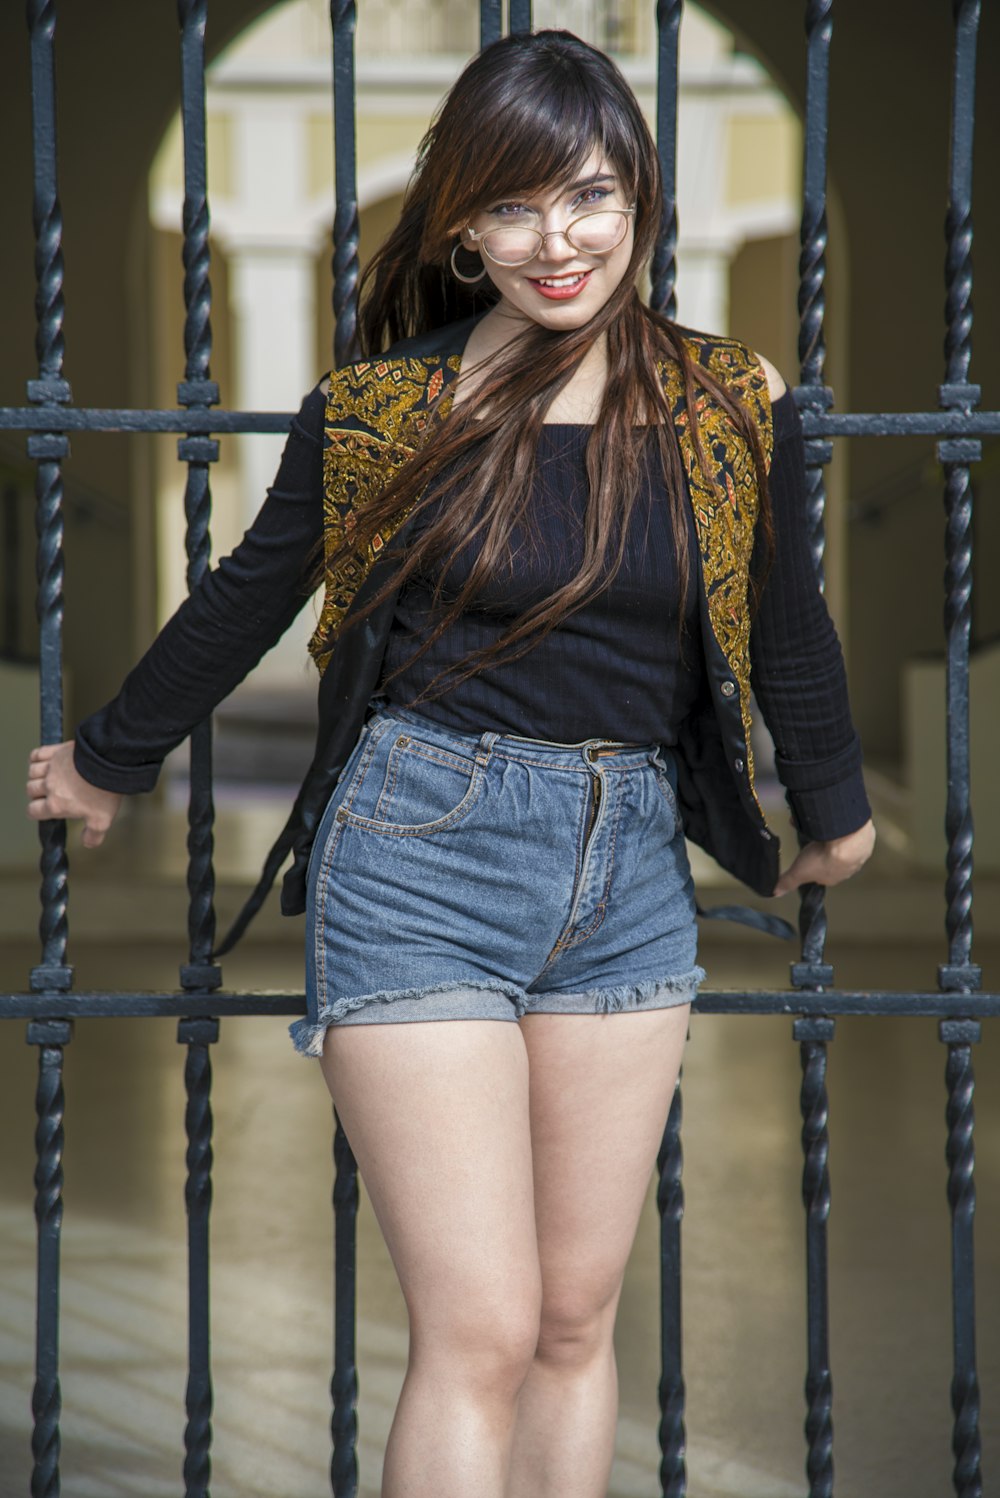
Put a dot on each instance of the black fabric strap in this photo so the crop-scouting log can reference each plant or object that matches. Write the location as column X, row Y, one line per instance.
column 772, row 925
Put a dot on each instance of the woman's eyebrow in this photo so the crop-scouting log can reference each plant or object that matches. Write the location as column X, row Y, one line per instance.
column 590, row 181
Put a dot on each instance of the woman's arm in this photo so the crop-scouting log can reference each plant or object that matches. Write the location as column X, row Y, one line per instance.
column 800, row 683
column 238, row 611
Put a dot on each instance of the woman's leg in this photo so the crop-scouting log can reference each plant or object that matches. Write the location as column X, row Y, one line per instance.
column 437, row 1116
column 600, row 1093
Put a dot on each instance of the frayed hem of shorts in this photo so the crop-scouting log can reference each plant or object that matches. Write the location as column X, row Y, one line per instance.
column 308, row 1035
column 681, row 987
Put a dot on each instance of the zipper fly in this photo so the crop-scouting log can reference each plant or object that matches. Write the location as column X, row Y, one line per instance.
column 593, row 815
column 595, row 807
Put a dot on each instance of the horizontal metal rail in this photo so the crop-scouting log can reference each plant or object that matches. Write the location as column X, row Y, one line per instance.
column 203, row 423
column 220, row 1004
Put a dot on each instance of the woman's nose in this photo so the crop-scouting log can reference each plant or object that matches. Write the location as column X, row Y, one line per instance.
column 555, row 246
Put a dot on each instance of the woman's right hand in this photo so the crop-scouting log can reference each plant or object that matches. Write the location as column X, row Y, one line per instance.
column 56, row 789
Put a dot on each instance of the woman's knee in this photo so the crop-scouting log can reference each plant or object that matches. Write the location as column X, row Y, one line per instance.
column 576, row 1323
column 485, row 1343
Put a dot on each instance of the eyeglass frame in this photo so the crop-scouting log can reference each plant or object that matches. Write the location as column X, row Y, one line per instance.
column 476, row 237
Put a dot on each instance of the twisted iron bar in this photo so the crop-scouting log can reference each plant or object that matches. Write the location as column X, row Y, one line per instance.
column 53, row 927
column 52, row 974
column 46, row 1398
column 960, row 1036
column 49, row 305
column 956, row 456
column 663, row 268
column 813, row 1035
column 812, row 394
column 198, row 1035
column 48, row 449
column 198, row 391
column 957, row 622
column 958, row 297
column 671, row 1391
column 344, row 1384
column 812, row 261
column 346, row 263
column 196, row 258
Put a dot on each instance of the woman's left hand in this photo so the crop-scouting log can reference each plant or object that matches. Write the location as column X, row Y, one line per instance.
column 831, row 862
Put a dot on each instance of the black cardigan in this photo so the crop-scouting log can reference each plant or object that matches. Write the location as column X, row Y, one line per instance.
column 247, row 602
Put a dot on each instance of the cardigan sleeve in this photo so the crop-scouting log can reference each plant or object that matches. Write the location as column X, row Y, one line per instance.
column 797, row 665
column 219, row 633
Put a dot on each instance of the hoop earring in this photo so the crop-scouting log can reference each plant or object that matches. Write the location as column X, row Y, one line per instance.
column 466, row 280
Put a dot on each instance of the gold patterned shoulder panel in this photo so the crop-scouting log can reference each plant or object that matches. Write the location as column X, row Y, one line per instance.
column 375, row 411
column 724, row 496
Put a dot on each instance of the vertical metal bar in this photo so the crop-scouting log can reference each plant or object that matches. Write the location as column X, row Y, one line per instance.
column 46, row 1400
column 199, row 975
column 960, row 973
column 52, row 973
column 346, row 231
column 197, row 391
column 663, row 272
column 812, row 394
column 813, row 1036
column 48, row 449
column 811, row 972
column 490, row 22
column 198, row 1035
column 520, row 15
column 960, row 1036
column 344, row 1385
column 670, row 1202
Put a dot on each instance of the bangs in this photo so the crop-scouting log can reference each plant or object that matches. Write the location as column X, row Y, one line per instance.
column 541, row 137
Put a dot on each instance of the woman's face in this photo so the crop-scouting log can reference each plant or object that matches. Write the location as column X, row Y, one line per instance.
column 561, row 287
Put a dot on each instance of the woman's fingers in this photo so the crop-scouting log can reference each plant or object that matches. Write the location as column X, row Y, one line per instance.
column 828, row 863
column 56, row 790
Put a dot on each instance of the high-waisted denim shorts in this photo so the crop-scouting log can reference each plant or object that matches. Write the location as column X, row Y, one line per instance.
column 457, row 876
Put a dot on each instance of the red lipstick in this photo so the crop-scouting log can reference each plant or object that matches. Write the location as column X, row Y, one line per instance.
column 564, row 292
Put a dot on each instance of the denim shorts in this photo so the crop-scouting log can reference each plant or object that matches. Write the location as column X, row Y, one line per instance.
column 462, row 876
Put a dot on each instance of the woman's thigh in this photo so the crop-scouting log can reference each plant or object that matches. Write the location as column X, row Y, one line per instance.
column 600, row 1092
column 436, row 1113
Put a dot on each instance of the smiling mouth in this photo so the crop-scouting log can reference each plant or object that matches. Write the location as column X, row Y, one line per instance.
column 568, row 280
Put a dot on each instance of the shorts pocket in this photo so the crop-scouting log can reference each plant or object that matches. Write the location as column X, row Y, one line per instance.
column 413, row 789
column 344, row 789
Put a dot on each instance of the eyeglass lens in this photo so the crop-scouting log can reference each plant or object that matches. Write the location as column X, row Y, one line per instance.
column 592, row 233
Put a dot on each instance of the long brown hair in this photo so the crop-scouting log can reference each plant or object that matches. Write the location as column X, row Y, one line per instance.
column 524, row 114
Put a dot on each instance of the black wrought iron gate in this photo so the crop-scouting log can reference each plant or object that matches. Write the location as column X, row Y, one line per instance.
column 52, row 1005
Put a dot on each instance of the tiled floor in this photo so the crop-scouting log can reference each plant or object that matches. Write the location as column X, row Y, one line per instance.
column 123, row 1293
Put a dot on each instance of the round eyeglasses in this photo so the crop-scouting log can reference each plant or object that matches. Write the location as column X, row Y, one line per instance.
column 591, row 234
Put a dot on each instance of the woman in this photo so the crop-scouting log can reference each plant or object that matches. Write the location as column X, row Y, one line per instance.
column 550, row 558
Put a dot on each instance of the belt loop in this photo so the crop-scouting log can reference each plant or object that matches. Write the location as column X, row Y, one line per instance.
column 663, row 759
column 485, row 747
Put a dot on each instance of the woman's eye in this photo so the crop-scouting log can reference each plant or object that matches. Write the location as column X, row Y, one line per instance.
column 508, row 210
column 590, row 197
